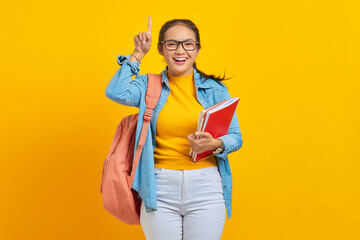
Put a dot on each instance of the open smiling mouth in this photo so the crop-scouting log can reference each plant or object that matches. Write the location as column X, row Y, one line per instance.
column 180, row 60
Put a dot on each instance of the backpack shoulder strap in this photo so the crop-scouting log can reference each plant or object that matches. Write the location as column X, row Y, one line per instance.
column 153, row 90
column 152, row 97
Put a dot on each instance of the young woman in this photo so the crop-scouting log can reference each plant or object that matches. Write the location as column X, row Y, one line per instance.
column 180, row 199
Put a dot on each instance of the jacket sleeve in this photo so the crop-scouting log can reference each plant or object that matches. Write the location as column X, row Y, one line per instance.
column 121, row 88
column 233, row 140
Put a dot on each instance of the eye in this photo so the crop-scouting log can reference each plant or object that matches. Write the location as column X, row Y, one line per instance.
column 189, row 44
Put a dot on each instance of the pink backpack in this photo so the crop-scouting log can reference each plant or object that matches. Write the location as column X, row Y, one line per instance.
column 120, row 166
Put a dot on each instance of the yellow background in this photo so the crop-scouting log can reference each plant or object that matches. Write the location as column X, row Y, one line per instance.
column 296, row 70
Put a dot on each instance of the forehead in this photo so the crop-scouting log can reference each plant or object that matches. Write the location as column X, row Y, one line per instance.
column 179, row 32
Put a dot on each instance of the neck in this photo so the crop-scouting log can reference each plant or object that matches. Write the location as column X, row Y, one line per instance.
column 182, row 74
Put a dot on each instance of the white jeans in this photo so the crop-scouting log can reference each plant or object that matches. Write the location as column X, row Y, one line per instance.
column 190, row 205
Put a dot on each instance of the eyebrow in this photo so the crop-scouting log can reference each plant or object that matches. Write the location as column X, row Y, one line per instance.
column 181, row 41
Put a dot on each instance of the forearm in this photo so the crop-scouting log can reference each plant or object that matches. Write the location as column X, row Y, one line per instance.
column 121, row 89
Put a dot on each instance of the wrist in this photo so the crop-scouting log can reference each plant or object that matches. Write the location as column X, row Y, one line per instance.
column 138, row 55
column 218, row 144
column 220, row 147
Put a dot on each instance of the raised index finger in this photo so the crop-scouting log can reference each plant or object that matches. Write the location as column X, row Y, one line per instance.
column 150, row 25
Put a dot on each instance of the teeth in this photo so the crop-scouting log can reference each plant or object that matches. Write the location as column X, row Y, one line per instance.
column 180, row 59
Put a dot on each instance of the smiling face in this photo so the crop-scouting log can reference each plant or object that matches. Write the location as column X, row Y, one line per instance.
column 179, row 32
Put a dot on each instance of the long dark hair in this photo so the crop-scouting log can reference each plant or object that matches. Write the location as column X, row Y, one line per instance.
column 191, row 25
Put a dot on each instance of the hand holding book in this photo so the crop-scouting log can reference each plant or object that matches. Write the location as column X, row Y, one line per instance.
column 214, row 121
column 203, row 141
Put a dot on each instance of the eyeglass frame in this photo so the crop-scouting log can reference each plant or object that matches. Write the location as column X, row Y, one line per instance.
column 180, row 42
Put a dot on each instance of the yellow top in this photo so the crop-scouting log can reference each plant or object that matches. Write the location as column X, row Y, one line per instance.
column 177, row 119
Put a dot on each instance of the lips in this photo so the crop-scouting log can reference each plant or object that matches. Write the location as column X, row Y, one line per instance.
column 180, row 59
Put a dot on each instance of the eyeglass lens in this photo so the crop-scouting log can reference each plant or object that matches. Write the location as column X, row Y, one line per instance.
column 173, row 45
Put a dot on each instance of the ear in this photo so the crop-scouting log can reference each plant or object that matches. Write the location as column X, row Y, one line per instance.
column 198, row 52
column 160, row 50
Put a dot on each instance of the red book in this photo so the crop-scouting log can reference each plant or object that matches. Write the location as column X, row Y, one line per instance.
column 215, row 120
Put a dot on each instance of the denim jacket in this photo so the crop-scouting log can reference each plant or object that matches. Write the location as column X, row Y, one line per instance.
column 125, row 91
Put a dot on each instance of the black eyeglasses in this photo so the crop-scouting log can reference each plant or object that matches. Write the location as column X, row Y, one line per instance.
column 188, row 45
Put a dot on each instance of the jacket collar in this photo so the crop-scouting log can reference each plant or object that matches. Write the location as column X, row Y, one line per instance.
column 200, row 82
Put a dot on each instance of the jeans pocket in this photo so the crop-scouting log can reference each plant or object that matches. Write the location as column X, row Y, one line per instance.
column 211, row 183
column 158, row 171
column 211, row 173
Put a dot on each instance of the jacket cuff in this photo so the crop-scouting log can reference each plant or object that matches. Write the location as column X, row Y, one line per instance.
column 229, row 146
column 134, row 66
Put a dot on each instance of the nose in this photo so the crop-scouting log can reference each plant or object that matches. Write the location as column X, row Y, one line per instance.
column 180, row 49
